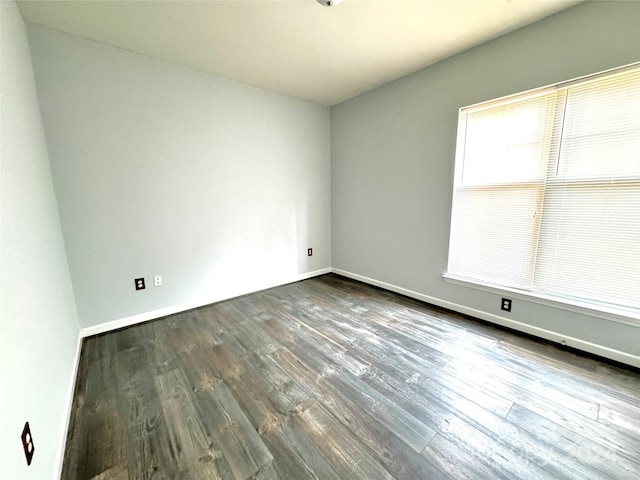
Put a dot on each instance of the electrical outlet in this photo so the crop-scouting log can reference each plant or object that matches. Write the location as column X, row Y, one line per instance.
column 157, row 281
column 309, row 252
column 27, row 443
column 139, row 283
column 506, row 304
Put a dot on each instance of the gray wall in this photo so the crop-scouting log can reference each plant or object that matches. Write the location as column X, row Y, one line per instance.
column 393, row 154
column 159, row 169
column 39, row 328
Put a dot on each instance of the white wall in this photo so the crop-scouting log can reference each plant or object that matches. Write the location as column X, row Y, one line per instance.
column 393, row 153
column 39, row 327
column 159, row 169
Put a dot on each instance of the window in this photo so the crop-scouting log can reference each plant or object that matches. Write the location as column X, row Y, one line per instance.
column 547, row 193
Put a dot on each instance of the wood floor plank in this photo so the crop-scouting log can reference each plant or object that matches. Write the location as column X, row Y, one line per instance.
column 227, row 424
column 141, row 412
column 253, row 309
column 386, row 326
column 162, row 356
column 520, row 384
column 118, row 473
column 193, row 362
column 296, row 455
column 218, row 320
column 575, row 445
column 285, row 392
column 139, row 401
column 455, row 462
column 432, row 323
column 409, row 429
column 423, row 404
column 188, row 446
column 99, row 346
column 566, row 381
column 627, row 445
column 134, row 337
column 264, row 406
column 598, row 389
column 97, row 417
column 338, row 447
column 197, row 326
column 146, row 442
column 623, row 380
column 321, row 343
column 255, row 339
column 374, row 349
column 466, row 424
column 271, row 471
column 629, row 424
column 400, row 460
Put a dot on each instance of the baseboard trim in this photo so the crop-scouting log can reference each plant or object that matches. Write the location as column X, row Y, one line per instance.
column 68, row 407
column 163, row 312
column 572, row 342
column 553, row 336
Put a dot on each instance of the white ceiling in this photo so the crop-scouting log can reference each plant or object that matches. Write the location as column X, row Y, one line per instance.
column 297, row 47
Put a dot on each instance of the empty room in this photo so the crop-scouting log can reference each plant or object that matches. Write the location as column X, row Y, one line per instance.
column 314, row 239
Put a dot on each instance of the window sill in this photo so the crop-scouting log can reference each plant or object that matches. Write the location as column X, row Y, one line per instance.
column 628, row 317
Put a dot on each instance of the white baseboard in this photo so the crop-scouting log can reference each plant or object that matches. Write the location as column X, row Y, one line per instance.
column 163, row 312
column 68, row 408
column 557, row 337
column 562, row 339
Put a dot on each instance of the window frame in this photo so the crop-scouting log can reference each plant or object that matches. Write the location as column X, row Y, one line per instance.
column 598, row 309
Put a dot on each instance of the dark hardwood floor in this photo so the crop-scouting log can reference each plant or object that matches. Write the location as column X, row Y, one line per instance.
column 332, row 379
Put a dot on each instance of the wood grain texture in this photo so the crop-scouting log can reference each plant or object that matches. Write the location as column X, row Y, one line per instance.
column 330, row 378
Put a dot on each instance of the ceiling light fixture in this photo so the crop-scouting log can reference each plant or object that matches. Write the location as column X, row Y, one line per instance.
column 329, row 3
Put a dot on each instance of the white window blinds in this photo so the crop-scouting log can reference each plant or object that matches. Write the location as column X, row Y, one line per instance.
column 547, row 192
